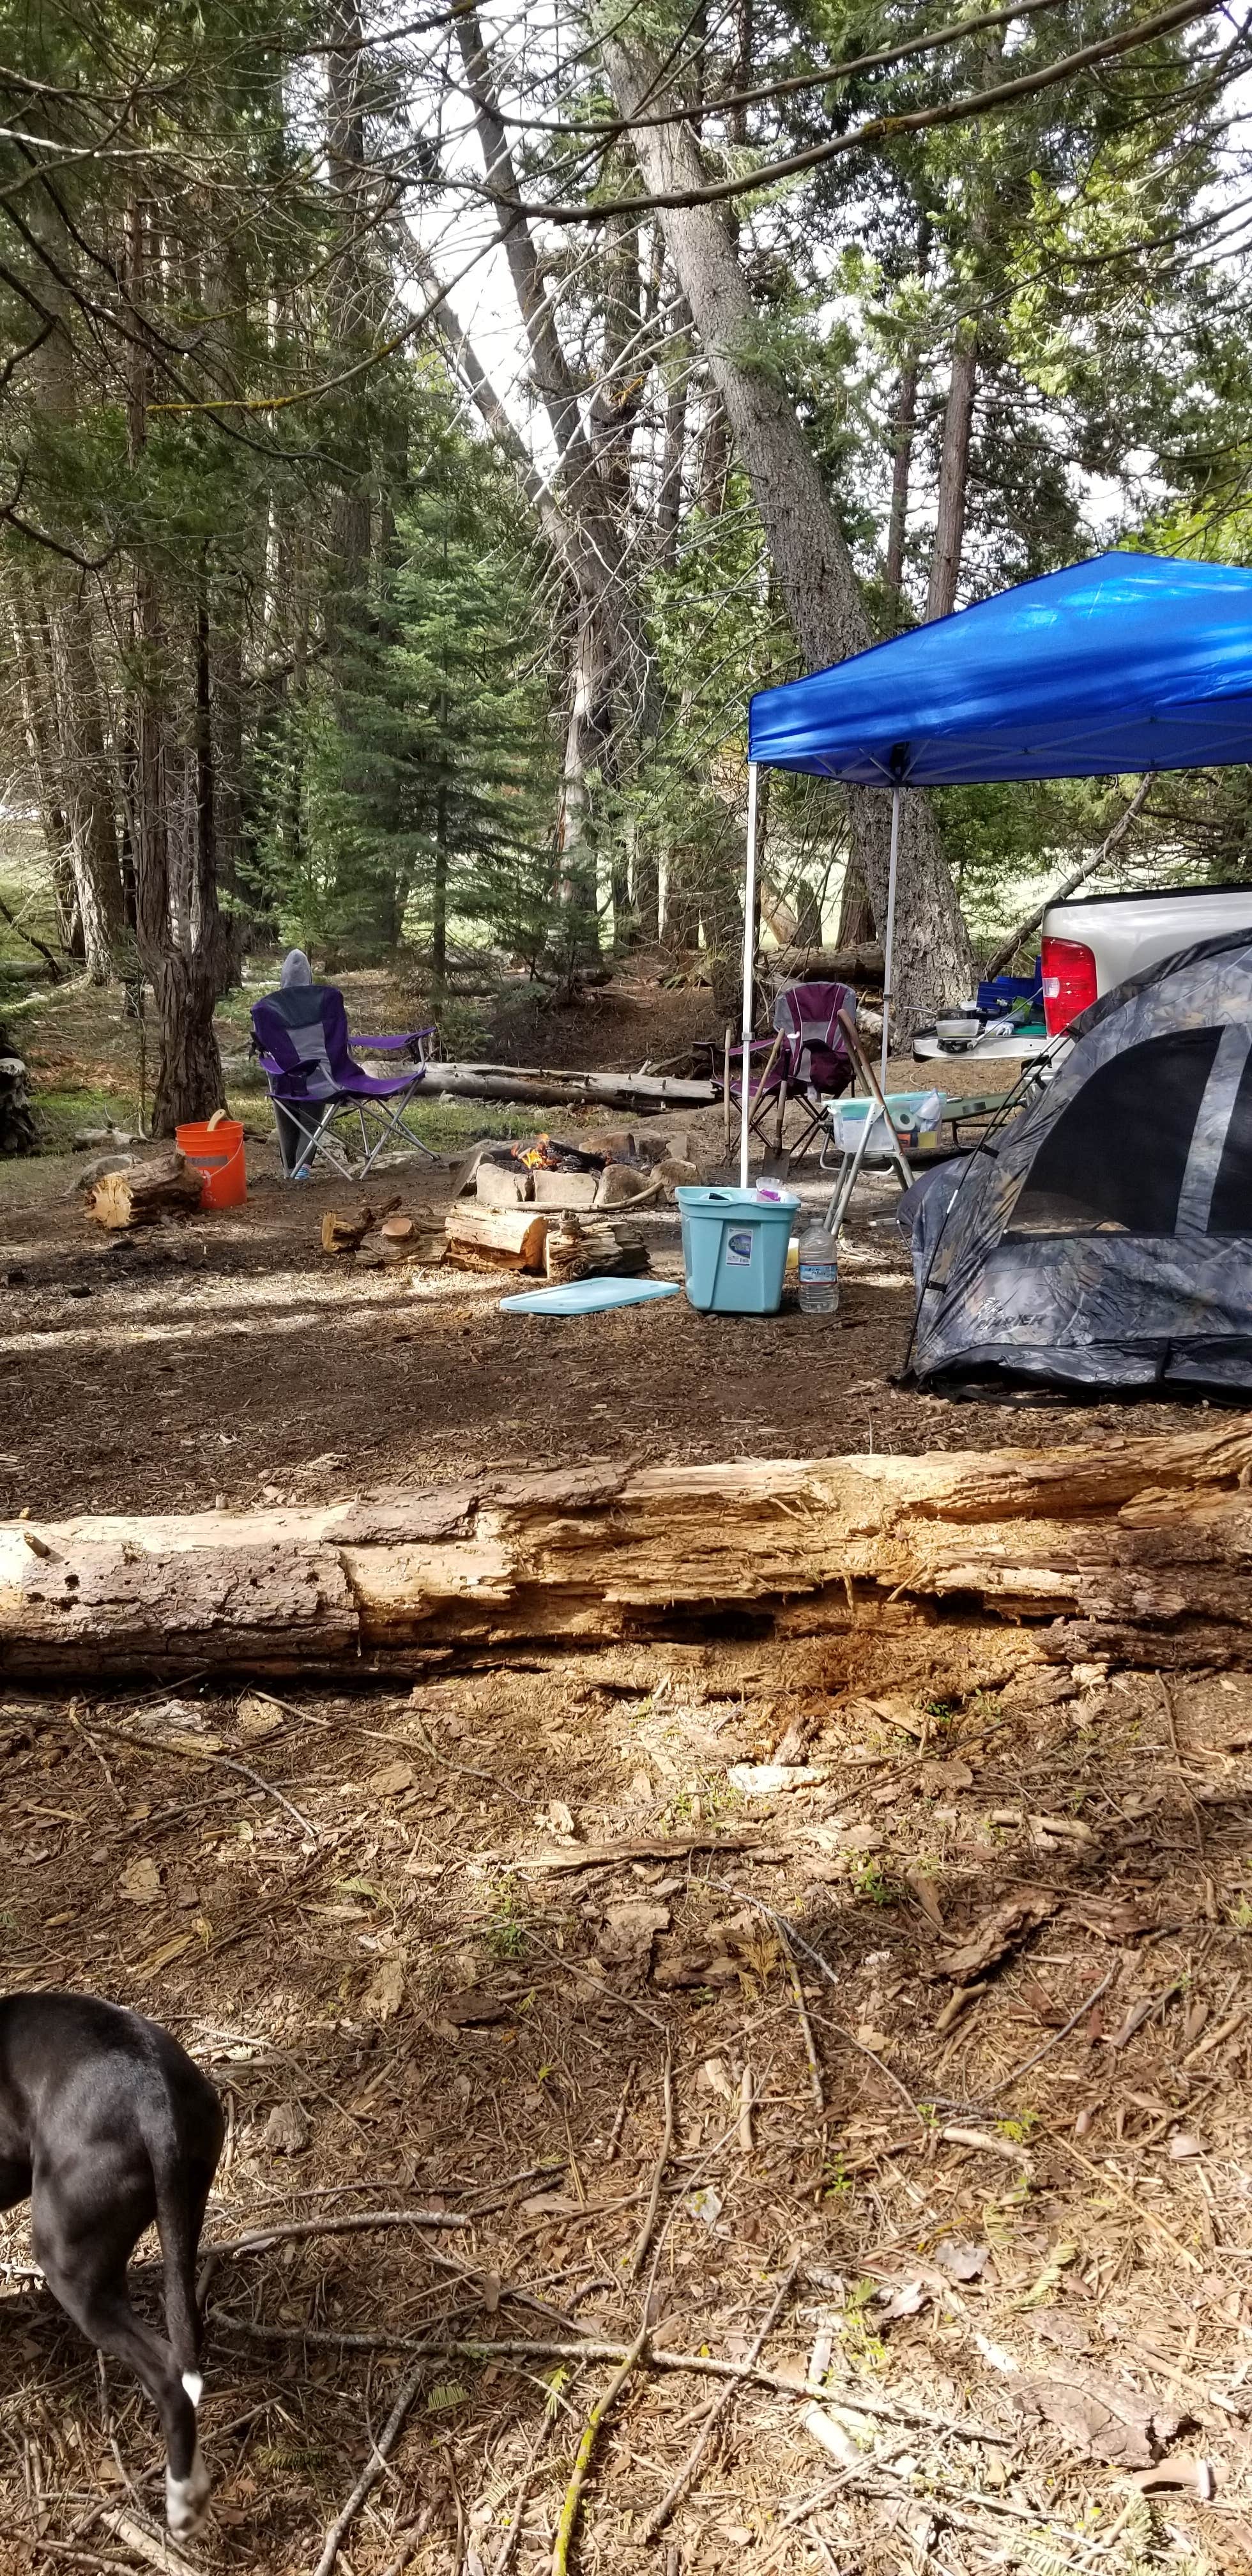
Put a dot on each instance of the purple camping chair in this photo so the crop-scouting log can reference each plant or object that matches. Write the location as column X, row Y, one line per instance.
column 804, row 1057
column 301, row 1038
column 813, row 1063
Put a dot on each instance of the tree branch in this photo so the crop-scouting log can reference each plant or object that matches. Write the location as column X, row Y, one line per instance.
column 878, row 129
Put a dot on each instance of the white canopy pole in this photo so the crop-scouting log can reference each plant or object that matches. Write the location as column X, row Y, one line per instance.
column 888, row 945
column 749, row 949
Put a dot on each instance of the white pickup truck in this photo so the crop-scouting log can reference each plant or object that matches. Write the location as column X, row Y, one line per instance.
column 1087, row 947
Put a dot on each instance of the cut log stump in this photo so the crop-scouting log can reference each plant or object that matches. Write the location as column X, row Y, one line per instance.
column 166, row 1185
column 579, row 1251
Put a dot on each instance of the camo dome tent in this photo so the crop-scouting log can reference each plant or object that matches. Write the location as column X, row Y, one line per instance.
column 1103, row 1237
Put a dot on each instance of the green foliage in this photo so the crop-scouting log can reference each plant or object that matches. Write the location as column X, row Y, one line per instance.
column 407, row 795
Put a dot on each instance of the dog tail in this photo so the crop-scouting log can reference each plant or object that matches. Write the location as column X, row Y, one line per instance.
column 178, row 2232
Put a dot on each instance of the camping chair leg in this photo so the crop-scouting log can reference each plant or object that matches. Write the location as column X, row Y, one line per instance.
column 759, row 1112
column 393, row 1126
column 318, row 1146
column 782, row 1112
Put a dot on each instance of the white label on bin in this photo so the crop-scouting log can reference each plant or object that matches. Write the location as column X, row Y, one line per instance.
column 738, row 1250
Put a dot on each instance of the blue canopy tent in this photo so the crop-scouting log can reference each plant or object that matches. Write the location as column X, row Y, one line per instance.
column 1129, row 662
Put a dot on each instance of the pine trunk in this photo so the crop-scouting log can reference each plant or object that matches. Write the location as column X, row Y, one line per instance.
column 811, row 560
column 958, row 421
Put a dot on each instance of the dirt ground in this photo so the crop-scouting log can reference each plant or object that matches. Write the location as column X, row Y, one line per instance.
column 222, row 1357
column 901, row 2100
column 1002, row 2239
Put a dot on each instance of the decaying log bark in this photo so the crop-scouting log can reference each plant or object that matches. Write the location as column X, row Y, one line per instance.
column 575, row 1250
column 1142, row 1549
column 164, row 1186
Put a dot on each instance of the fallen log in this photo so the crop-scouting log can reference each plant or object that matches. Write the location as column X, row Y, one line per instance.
column 859, row 965
column 166, row 1185
column 1140, row 1549
column 537, row 1088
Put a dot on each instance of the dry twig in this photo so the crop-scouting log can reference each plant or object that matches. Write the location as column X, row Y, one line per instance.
column 372, row 2471
column 679, row 2487
column 788, row 1935
column 660, row 2357
column 806, row 2027
column 1057, row 2036
column 586, row 2448
column 1197, row 1821
column 619, row 2122
column 201, row 1753
column 644, row 2237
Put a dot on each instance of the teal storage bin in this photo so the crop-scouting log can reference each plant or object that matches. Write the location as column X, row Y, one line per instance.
column 735, row 1249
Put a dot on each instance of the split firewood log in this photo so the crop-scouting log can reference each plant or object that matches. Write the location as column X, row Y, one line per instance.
column 482, row 1238
column 166, row 1185
column 344, row 1233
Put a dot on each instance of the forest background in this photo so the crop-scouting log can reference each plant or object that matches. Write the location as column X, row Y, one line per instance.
column 421, row 432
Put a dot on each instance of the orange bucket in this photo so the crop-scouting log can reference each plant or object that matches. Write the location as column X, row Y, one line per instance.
column 216, row 1144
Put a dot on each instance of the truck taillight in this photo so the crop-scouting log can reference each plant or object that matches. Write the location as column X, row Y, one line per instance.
column 1069, row 981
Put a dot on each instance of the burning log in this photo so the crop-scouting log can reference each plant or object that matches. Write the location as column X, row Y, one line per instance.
column 167, row 1185
column 1139, row 1549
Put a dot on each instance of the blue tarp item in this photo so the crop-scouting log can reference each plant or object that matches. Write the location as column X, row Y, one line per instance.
column 1129, row 662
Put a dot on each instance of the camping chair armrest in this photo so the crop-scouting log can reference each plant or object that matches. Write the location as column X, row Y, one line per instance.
column 389, row 1045
column 714, row 1054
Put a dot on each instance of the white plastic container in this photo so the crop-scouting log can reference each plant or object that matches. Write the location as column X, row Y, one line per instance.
column 916, row 1116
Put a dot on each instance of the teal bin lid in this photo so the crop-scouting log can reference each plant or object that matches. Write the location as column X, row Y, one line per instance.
column 588, row 1296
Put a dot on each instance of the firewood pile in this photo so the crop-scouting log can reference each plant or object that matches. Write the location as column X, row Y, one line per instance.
column 385, row 1237
column 17, row 1126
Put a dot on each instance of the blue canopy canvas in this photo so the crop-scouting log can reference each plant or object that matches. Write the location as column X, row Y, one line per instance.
column 1128, row 662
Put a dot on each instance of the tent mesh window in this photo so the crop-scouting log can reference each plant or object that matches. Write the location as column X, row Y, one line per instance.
column 1114, row 1161
column 1230, row 1211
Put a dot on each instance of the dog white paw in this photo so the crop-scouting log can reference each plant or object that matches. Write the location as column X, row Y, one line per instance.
column 186, row 2498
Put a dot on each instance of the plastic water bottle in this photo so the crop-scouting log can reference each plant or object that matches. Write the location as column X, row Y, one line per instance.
column 819, row 1271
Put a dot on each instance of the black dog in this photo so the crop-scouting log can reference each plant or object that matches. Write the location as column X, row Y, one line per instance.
column 106, row 2124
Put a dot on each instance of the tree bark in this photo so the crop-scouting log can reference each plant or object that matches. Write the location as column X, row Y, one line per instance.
column 675, row 371
column 1139, row 1548
column 958, row 421
column 810, row 554
column 856, row 913
column 903, row 427
column 610, row 660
